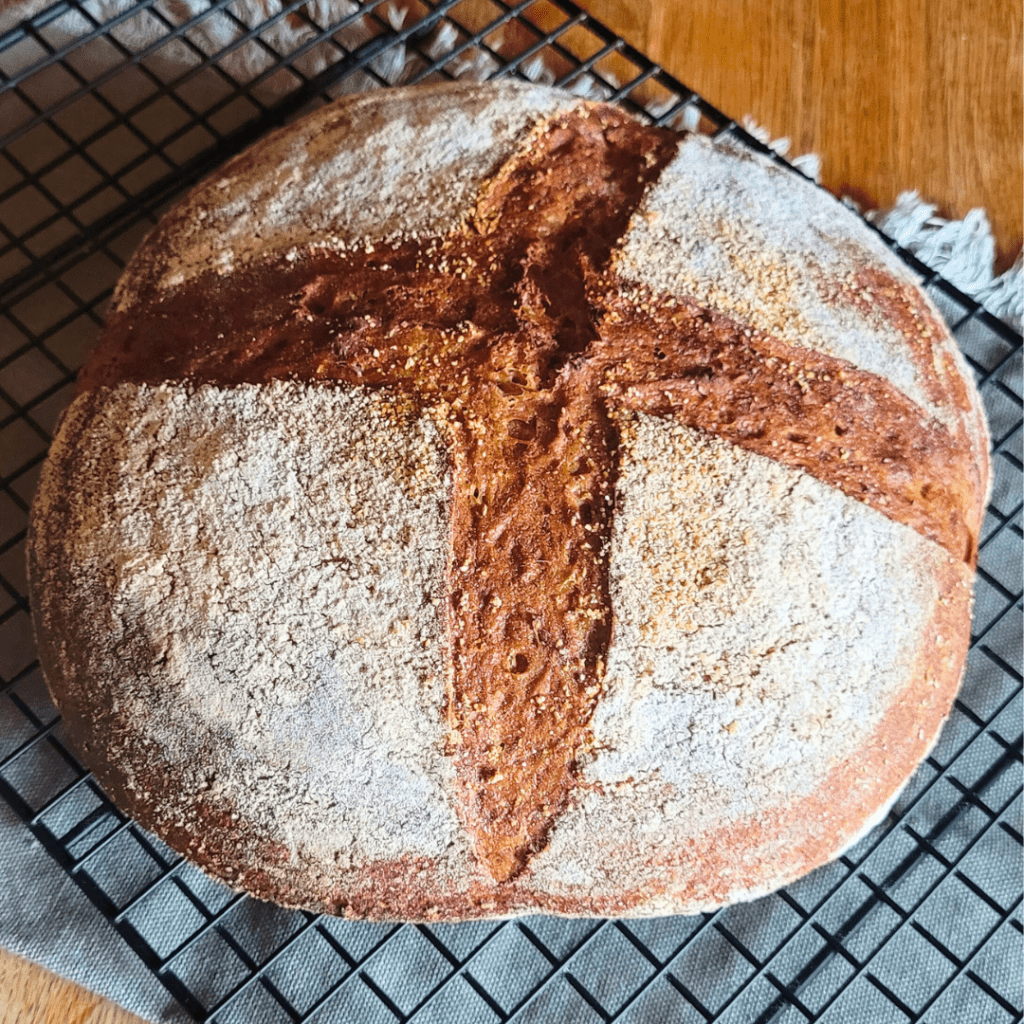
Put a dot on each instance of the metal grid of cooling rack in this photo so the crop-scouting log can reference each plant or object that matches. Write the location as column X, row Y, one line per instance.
column 108, row 111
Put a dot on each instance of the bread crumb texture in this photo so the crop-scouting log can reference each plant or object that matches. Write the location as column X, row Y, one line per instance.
column 746, row 237
column 764, row 623
column 422, row 162
column 268, row 561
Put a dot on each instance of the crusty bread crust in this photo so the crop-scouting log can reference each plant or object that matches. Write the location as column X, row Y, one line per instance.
column 481, row 505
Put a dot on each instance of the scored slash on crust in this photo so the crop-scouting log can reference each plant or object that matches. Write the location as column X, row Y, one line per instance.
column 515, row 330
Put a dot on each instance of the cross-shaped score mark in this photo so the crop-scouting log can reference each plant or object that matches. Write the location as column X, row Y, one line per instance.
column 514, row 328
column 533, row 453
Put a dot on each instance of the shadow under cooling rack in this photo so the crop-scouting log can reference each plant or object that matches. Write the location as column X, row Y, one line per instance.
column 110, row 110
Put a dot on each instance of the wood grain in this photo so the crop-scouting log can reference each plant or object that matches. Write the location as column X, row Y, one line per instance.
column 31, row 995
column 892, row 94
column 914, row 94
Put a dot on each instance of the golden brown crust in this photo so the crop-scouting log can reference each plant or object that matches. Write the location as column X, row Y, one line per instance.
column 517, row 333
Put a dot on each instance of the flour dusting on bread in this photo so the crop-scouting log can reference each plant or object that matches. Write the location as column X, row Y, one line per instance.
column 481, row 504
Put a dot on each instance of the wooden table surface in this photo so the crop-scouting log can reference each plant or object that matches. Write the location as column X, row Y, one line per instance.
column 892, row 94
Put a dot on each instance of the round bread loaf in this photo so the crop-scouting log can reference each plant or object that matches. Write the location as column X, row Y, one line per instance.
column 480, row 503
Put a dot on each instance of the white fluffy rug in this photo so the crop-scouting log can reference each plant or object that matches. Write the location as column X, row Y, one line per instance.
column 962, row 251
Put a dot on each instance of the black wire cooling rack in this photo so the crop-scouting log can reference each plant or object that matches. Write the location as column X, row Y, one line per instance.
column 108, row 111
